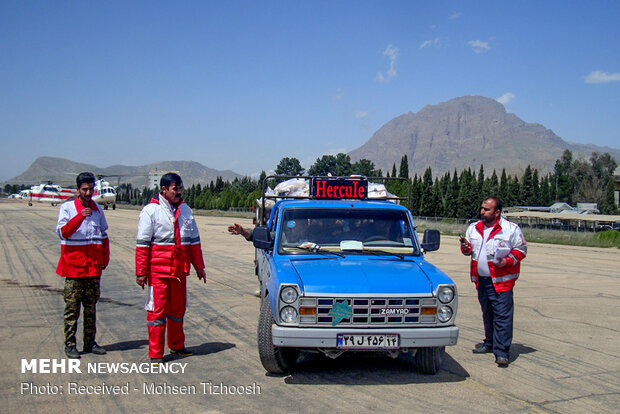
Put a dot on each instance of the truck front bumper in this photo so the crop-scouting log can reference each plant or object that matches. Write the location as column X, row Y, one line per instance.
column 327, row 337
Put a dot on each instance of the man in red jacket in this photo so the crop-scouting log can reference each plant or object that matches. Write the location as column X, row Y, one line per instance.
column 496, row 247
column 168, row 243
column 84, row 253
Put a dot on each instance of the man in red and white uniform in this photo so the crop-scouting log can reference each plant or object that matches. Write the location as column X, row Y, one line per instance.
column 496, row 247
column 168, row 243
column 84, row 253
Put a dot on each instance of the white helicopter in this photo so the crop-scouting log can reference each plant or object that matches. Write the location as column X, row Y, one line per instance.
column 105, row 194
column 47, row 193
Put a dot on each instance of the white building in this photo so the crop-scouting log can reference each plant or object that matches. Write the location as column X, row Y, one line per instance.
column 155, row 177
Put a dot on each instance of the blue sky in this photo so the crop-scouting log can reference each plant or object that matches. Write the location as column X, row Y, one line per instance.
column 239, row 85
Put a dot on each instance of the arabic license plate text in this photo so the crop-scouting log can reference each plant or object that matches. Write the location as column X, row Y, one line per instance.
column 387, row 341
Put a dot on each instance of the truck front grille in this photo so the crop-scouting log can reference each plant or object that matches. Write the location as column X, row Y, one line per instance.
column 366, row 312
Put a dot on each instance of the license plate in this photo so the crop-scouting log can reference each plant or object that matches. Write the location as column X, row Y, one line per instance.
column 350, row 341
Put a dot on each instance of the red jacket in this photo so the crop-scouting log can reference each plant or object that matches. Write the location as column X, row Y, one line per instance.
column 84, row 244
column 506, row 235
column 168, row 242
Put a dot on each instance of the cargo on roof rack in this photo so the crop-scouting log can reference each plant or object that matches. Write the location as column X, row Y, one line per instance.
column 353, row 187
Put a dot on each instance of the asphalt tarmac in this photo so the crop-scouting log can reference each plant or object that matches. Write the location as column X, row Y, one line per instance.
column 565, row 356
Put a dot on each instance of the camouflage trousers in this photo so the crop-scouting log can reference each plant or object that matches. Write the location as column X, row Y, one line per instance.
column 84, row 292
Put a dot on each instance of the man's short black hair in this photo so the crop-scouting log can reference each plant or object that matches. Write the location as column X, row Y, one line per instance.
column 498, row 203
column 170, row 178
column 85, row 177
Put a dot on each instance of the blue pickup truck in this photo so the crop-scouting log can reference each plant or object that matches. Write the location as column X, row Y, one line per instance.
column 341, row 271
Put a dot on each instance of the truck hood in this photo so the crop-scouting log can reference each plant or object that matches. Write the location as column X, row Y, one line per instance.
column 362, row 276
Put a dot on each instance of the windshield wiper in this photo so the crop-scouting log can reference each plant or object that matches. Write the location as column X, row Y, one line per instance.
column 384, row 253
column 316, row 248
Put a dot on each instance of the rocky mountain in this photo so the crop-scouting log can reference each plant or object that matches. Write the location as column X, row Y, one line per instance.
column 466, row 132
column 63, row 171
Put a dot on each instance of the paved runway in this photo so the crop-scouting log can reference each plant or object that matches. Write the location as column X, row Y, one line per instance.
column 565, row 357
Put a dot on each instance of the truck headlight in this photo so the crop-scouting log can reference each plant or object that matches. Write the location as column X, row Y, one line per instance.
column 444, row 313
column 445, row 294
column 288, row 314
column 288, row 294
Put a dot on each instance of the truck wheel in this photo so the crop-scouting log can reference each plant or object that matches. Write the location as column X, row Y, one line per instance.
column 428, row 360
column 275, row 359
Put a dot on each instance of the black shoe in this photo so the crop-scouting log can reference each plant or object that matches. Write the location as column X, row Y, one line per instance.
column 182, row 352
column 482, row 349
column 157, row 361
column 501, row 361
column 72, row 352
column 95, row 349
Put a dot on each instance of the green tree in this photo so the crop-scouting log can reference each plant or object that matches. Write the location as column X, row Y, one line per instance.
column 608, row 203
column 565, row 182
column 545, row 191
column 436, row 200
column 416, row 194
column 339, row 165
column 527, row 193
column 426, row 199
column 452, row 194
column 536, row 201
column 491, row 185
column 404, row 167
column 468, row 200
column 504, row 188
column 289, row 166
column 480, row 182
column 366, row 168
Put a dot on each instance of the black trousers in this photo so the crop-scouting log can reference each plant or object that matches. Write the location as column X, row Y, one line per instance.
column 497, row 315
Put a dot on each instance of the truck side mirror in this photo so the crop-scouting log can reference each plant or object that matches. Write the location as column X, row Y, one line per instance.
column 430, row 241
column 262, row 238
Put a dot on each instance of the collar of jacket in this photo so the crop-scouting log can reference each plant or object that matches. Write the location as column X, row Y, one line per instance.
column 496, row 229
column 79, row 207
column 165, row 204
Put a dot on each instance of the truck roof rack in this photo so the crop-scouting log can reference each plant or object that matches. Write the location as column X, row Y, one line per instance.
column 312, row 180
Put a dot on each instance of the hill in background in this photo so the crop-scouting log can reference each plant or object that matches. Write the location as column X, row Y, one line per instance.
column 63, row 171
column 466, row 132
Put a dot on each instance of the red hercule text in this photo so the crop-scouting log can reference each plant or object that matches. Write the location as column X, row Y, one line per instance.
column 324, row 189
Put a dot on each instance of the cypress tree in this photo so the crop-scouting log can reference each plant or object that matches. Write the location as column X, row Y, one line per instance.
column 492, row 185
column 480, row 181
column 608, row 204
column 436, row 203
column 404, row 167
column 526, row 194
column 536, row 199
column 426, row 207
column 450, row 209
column 468, row 200
column 504, row 187
column 415, row 196
column 545, row 195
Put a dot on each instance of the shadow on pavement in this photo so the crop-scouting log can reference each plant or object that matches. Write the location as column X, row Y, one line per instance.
column 368, row 369
column 518, row 349
column 211, row 348
column 49, row 288
column 126, row 345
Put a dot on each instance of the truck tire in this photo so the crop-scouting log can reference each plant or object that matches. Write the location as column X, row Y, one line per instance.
column 275, row 359
column 428, row 360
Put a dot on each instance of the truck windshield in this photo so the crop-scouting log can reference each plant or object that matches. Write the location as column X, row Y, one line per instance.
column 350, row 231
